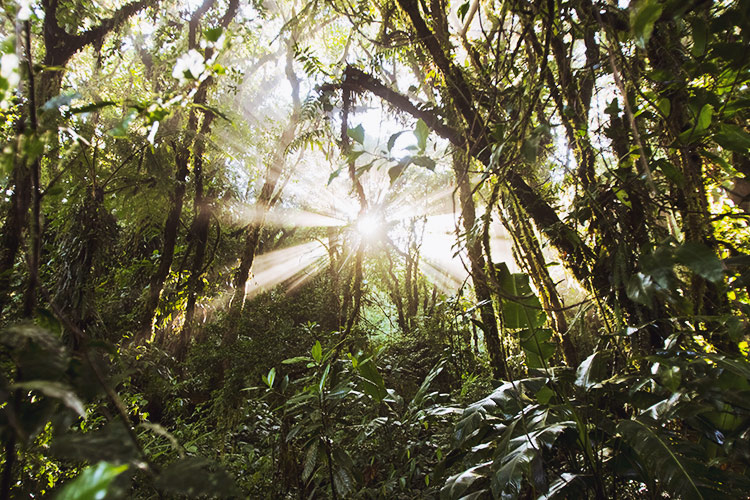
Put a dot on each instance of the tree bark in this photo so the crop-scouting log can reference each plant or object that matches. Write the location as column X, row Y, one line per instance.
column 478, row 270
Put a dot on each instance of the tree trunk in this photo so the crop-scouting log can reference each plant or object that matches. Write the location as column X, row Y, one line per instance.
column 171, row 227
column 477, row 268
column 199, row 235
column 268, row 196
column 334, row 304
column 533, row 261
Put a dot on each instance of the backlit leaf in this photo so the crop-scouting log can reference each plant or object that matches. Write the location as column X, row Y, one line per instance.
column 317, row 351
column 642, row 20
column 92, row 483
column 421, row 132
column 357, row 134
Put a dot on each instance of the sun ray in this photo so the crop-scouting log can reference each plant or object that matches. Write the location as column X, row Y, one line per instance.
column 444, row 280
column 279, row 266
column 287, row 217
column 437, row 203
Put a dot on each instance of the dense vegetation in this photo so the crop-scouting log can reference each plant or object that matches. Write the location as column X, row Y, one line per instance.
column 375, row 249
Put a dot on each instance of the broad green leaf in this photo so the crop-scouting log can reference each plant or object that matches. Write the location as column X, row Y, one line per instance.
column 269, row 379
column 639, row 289
column 508, row 479
column 56, row 390
column 373, row 384
column 665, row 106
column 392, row 140
column 591, row 371
column 92, row 483
column 622, row 195
column 699, row 28
column 733, row 106
column 522, row 450
column 659, row 75
column 656, row 450
column 342, row 458
column 704, row 118
column 701, row 260
column 669, row 376
column 733, row 138
column 424, row 161
column 670, row 171
column 317, row 352
column 659, row 266
column 395, row 172
column 544, row 395
column 419, row 397
column 421, row 132
column 324, row 378
column 642, row 20
column 343, row 481
column 297, row 359
column 213, row 34
column 561, row 487
column 719, row 161
column 537, row 347
column 357, row 134
column 364, row 168
column 338, row 392
column 456, row 485
column 311, row 459
column 520, row 306
column 462, row 10
column 352, row 156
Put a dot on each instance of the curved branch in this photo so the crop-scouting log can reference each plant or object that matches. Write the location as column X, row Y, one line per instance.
column 563, row 237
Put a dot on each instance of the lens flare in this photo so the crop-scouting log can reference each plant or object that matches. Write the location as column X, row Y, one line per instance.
column 370, row 226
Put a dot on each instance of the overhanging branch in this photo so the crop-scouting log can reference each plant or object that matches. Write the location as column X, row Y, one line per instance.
column 564, row 238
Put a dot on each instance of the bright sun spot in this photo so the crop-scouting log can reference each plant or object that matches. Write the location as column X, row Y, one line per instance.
column 369, row 226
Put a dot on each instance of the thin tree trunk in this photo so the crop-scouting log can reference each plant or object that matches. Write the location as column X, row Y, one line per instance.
column 193, row 142
column 15, row 223
column 199, row 234
column 334, row 304
column 665, row 53
column 533, row 259
column 358, row 278
column 357, row 290
column 396, row 296
column 171, row 227
column 477, row 268
column 268, row 195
